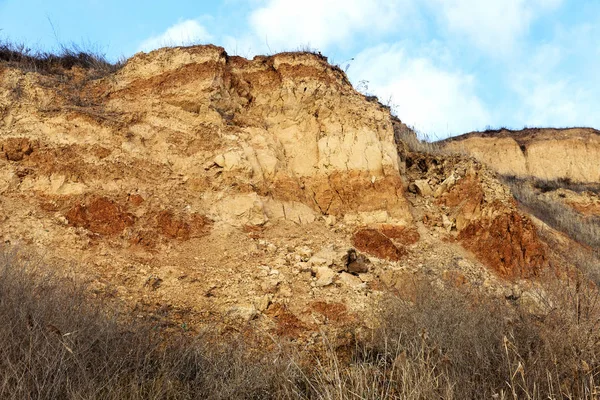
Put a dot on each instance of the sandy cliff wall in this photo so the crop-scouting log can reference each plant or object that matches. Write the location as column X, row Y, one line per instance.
column 542, row 153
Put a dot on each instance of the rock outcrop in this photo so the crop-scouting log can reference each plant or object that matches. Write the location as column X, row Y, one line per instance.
column 289, row 128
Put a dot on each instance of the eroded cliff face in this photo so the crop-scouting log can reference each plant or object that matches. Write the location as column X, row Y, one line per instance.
column 290, row 127
column 215, row 188
column 547, row 154
column 286, row 135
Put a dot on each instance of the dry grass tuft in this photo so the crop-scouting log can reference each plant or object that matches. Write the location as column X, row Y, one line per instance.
column 415, row 142
column 67, row 58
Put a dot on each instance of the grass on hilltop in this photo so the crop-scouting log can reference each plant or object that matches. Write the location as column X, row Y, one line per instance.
column 66, row 58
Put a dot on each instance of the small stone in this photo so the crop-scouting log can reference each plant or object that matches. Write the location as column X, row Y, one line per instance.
column 270, row 285
column 304, row 252
column 330, row 257
column 263, row 302
column 324, row 276
column 423, row 188
column 447, row 223
column 360, row 265
column 330, row 220
column 351, row 280
column 243, row 312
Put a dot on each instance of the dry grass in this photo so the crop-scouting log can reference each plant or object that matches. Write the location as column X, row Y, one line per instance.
column 68, row 57
column 448, row 344
column 415, row 142
column 56, row 344
column 559, row 216
column 457, row 345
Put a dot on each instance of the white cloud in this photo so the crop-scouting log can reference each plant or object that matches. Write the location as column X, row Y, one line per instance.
column 493, row 25
column 288, row 24
column 549, row 94
column 182, row 33
column 433, row 100
column 246, row 46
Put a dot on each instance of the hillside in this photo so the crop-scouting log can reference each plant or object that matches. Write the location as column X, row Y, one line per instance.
column 202, row 189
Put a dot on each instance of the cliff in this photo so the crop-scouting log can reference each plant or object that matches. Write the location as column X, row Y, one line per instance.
column 206, row 187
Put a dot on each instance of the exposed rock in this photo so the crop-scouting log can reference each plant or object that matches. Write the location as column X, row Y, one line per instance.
column 236, row 171
column 241, row 210
column 304, row 252
column 332, row 257
column 508, row 243
column 447, row 223
column 423, row 188
column 243, row 312
column 359, row 265
column 263, row 302
column 289, row 210
column 445, row 185
column 483, row 212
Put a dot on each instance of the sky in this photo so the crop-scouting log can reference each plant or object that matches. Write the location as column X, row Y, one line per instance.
column 445, row 67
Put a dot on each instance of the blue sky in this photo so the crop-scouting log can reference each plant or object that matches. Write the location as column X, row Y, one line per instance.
column 446, row 66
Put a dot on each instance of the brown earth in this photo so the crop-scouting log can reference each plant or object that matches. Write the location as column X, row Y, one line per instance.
column 101, row 216
column 508, row 243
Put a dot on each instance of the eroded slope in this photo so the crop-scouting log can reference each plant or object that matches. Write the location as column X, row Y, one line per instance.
column 213, row 188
